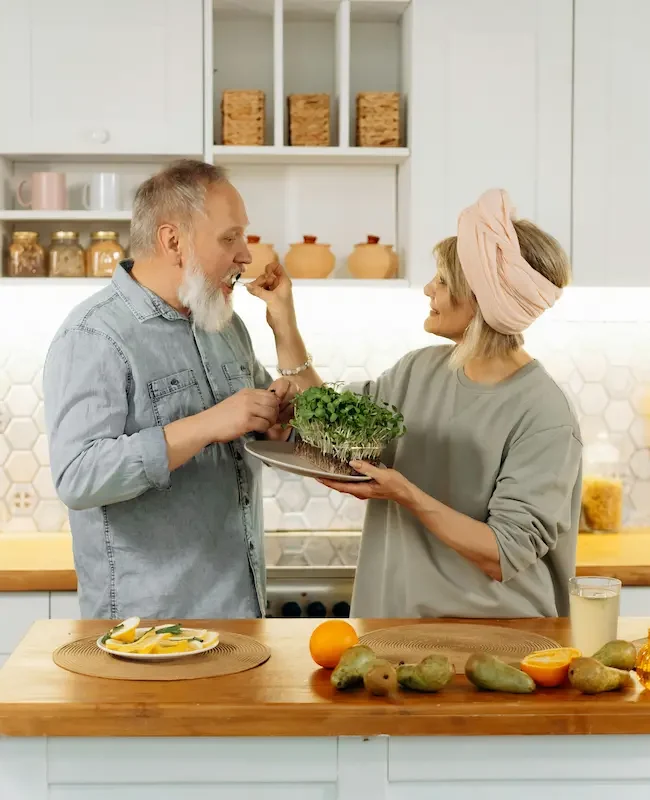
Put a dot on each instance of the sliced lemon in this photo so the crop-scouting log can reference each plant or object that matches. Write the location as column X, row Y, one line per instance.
column 211, row 638
column 124, row 631
column 140, row 647
column 146, row 635
column 190, row 633
column 166, row 646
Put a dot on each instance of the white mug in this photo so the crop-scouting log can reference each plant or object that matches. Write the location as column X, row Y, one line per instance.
column 102, row 193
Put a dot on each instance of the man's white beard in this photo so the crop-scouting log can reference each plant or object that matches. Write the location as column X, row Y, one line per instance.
column 211, row 309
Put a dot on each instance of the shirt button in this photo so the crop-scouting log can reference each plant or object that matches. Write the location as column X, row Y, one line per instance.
column 251, row 546
column 174, row 381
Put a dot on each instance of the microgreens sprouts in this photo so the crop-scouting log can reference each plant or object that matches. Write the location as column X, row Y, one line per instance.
column 345, row 425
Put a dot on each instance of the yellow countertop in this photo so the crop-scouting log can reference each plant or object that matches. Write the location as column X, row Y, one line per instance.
column 43, row 561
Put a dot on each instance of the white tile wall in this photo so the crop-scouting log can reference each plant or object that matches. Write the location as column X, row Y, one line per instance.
column 596, row 343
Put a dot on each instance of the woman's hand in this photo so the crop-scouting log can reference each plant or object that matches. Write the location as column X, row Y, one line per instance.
column 274, row 288
column 386, row 484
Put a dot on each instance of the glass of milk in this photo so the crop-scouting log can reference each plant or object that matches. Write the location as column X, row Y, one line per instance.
column 593, row 612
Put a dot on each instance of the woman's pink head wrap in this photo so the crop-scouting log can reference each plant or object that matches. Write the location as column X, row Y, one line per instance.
column 509, row 292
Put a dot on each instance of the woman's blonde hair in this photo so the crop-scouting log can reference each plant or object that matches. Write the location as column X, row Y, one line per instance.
column 541, row 251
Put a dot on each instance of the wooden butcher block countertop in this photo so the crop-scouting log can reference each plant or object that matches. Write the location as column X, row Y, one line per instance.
column 290, row 696
column 43, row 562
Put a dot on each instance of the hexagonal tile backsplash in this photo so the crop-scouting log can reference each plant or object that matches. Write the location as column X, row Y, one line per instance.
column 604, row 367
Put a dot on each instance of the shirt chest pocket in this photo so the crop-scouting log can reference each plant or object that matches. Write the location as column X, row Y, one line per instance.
column 175, row 397
column 239, row 375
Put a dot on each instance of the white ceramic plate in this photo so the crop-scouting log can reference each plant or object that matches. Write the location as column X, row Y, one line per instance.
column 153, row 656
column 281, row 455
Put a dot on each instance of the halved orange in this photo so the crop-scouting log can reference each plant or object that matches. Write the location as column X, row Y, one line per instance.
column 549, row 667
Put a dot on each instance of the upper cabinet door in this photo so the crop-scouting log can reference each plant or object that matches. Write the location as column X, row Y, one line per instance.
column 490, row 106
column 611, row 189
column 88, row 76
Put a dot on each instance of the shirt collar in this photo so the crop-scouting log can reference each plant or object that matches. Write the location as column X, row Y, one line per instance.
column 142, row 302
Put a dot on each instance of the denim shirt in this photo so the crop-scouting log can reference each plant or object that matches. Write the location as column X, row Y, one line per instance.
column 146, row 542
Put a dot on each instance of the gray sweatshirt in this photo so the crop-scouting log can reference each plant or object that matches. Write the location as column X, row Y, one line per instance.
column 507, row 454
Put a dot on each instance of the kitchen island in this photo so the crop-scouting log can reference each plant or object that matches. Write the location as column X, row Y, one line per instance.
column 280, row 731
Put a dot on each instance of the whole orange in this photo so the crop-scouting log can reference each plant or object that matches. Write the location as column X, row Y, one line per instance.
column 330, row 640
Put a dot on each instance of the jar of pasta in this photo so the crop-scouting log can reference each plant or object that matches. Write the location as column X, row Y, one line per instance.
column 26, row 256
column 104, row 254
column 66, row 257
column 603, row 489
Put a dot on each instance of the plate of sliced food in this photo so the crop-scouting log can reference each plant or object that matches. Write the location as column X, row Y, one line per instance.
column 169, row 640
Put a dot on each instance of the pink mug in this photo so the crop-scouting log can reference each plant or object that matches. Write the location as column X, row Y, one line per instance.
column 48, row 191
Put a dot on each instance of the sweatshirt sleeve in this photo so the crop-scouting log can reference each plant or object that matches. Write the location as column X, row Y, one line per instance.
column 531, row 504
column 380, row 389
column 93, row 462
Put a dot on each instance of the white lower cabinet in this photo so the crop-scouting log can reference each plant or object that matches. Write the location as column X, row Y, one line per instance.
column 18, row 611
column 575, row 767
column 64, row 605
column 635, row 601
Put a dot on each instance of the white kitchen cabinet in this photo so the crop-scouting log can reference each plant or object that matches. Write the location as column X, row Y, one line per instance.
column 18, row 612
column 635, row 601
column 577, row 767
column 85, row 76
column 64, row 605
column 611, row 184
column 490, row 106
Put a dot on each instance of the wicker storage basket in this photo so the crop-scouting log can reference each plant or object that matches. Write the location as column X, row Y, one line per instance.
column 242, row 117
column 309, row 120
column 378, row 119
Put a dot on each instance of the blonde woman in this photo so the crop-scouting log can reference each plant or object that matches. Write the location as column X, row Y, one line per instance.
column 477, row 513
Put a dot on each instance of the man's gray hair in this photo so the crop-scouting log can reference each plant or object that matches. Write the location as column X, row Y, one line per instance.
column 175, row 194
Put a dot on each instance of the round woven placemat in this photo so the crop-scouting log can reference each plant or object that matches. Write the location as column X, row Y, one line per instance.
column 234, row 653
column 411, row 643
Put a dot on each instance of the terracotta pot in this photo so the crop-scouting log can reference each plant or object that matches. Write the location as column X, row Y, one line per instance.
column 262, row 254
column 394, row 271
column 371, row 260
column 309, row 259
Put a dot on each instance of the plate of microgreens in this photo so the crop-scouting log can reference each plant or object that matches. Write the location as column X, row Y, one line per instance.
column 333, row 428
column 156, row 643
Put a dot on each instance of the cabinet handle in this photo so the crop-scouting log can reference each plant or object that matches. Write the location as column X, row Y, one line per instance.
column 100, row 135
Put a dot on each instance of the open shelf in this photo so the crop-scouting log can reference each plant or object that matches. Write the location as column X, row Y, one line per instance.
column 378, row 49
column 310, row 155
column 243, row 55
column 333, row 47
column 27, row 215
column 99, row 283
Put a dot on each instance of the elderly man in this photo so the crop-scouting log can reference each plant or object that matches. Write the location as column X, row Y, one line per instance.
column 151, row 388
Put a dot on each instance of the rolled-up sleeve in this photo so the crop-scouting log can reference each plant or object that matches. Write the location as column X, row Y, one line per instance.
column 93, row 461
column 531, row 504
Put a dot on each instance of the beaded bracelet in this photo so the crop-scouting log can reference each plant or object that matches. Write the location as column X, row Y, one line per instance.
column 296, row 370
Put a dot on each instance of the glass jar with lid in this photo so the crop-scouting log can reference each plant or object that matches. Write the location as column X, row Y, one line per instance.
column 603, row 486
column 104, row 254
column 66, row 257
column 26, row 256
